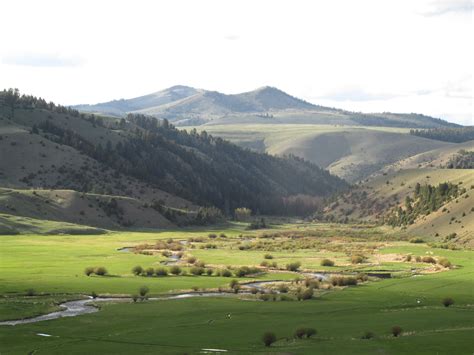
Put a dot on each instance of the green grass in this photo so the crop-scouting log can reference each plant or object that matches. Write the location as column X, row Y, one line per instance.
column 50, row 264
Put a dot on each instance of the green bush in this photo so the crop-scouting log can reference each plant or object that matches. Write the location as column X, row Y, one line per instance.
column 196, row 270
column 293, row 266
column 30, row 292
column 226, row 273
column 327, row 262
column 428, row 259
column 137, row 270
column 367, row 335
column 161, row 271
column 444, row 262
column 396, row 331
column 268, row 256
column 305, row 294
column 300, row 333
column 143, row 291
column 175, row 270
column 89, row 271
column 149, row 271
column 209, row 272
column 358, row 259
column 416, row 240
column 310, row 332
column 448, row 301
column 101, row 271
column 268, row 338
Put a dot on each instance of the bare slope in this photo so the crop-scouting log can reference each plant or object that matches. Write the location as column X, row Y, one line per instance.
column 374, row 199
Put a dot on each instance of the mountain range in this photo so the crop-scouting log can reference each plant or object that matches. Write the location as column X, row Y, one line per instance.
column 185, row 106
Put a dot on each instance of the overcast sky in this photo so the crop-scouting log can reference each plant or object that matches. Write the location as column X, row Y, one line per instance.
column 393, row 55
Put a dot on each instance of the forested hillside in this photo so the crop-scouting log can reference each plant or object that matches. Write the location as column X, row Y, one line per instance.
column 454, row 135
column 196, row 166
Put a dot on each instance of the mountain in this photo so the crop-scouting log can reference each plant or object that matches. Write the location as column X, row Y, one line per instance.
column 137, row 171
column 184, row 105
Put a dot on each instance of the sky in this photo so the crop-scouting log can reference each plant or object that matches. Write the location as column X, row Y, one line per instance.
column 365, row 55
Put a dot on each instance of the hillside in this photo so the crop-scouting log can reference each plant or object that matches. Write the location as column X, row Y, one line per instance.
column 51, row 147
column 188, row 106
column 350, row 152
column 375, row 199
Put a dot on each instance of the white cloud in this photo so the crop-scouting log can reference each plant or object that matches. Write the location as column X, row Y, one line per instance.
column 378, row 55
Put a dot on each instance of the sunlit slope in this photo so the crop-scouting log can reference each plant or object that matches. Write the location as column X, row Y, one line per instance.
column 374, row 199
column 351, row 152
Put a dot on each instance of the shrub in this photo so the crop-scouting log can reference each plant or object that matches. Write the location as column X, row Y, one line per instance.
column 444, row 262
column 264, row 263
column 254, row 290
column 268, row 256
column 175, row 270
column 416, row 240
column 310, row 332
column 149, row 271
column 135, row 298
column 418, row 259
column 367, row 335
column 396, row 331
column 89, row 271
column 94, row 295
column 293, row 266
column 209, row 272
column 265, row 297
column 283, row 288
column 191, row 260
column 268, row 338
column 30, row 292
column 195, row 288
column 232, row 283
column 212, row 236
column 300, row 333
column 313, row 283
column 101, row 271
column 357, row 259
column 200, row 264
column 236, row 288
column 327, row 262
column 143, row 291
column 343, row 281
column 226, row 273
column 161, row 271
column 137, row 270
column 448, row 301
column 305, row 294
column 196, row 270
column 428, row 259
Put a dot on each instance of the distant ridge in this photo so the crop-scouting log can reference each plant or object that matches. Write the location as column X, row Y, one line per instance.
column 186, row 105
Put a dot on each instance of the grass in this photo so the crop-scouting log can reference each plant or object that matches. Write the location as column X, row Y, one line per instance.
column 54, row 265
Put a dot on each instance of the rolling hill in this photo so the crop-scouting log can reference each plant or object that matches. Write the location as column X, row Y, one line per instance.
column 134, row 163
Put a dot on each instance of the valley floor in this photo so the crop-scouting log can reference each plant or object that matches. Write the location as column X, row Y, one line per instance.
column 38, row 272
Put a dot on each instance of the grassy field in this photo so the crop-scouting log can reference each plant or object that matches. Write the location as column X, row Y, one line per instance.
column 53, row 267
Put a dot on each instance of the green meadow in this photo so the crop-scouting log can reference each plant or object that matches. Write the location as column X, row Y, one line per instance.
column 52, row 266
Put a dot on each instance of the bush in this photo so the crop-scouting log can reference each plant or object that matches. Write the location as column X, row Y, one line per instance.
column 254, row 290
column 232, row 283
column 358, row 259
column 300, row 333
column 226, row 273
column 306, row 294
column 448, row 301
column 367, row 335
column 191, row 260
column 137, row 270
column 268, row 256
column 416, row 240
column 89, row 271
column 143, row 291
column 196, row 270
column 30, row 292
column 209, row 272
column 212, row 236
column 200, row 264
column 396, row 331
column 283, row 288
column 161, row 271
column 175, row 270
column 418, row 259
column 268, row 338
column 343, row 281
column 293, row 266
column 149, row 271
column 101, row 271
column 444, row 262
column 264, row 263
column 94, row 295
column 428, row 259
column 327, row 262
column 135, row 298
column 310, row 332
